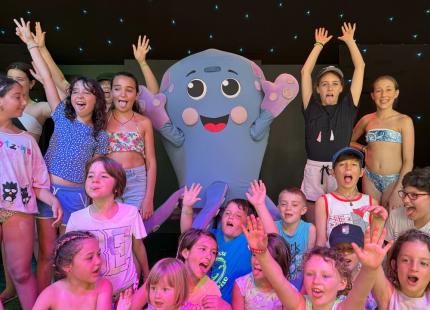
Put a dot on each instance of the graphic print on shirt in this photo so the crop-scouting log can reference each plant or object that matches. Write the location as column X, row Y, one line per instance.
column 219, row 269
column 114, row 243
column 10, row 190
column 25, row 197
column 296, row 263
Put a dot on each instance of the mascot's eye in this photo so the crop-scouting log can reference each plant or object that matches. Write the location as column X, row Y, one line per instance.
column 196, row 89
column 230, row 88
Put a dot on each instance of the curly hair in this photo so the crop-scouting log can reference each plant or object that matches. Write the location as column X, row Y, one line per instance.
column 99, row 114
column 339, row 263
column 411, row 235
column 66, row 247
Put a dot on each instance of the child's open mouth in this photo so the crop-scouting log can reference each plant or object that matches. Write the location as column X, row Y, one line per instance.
column 412, row 279
column 122, row 103
column 410, row 211
column 80, row 106
column 317, row 293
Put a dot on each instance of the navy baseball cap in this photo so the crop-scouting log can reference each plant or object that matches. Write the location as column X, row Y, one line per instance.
column 348, row 150
column 333, row 69
column 346, row 233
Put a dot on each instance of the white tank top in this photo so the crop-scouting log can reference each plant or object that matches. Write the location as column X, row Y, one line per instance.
column 340, row 210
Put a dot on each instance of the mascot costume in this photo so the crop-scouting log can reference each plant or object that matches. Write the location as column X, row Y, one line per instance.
column 214, row 112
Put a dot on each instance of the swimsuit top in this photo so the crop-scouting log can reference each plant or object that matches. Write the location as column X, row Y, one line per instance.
column 383, row 135
column 130, row 141
column 30, row 123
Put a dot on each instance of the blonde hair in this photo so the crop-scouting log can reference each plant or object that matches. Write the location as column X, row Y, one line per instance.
column 174, row 272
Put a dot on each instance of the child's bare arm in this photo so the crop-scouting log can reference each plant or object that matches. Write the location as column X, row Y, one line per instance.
column 104, row 297
column 139, row 251
column 257, row 240
column 47, row 197
column 190, row 199
column 382, row 289
column 256, row 195
column 321, row 222
column 140, row 50
column 312, row 238
column 44, row 300
column 238, row 301
column 139, row 298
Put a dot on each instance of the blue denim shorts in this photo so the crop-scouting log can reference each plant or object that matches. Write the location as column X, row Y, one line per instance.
column 72, row 198
column 135, row 190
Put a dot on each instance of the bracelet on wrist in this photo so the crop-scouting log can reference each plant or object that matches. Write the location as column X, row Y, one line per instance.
column 319, row 44
column 32, row 45
column 258, row 251
column 144, row 64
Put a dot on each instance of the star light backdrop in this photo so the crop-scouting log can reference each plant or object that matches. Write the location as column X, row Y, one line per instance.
column 393, row 38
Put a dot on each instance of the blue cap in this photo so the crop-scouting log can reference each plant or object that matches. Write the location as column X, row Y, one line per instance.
column 348, row 150
column 346, row 233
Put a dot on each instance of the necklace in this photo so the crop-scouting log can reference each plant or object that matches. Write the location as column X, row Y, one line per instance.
column 348, row 197
column 122, row 123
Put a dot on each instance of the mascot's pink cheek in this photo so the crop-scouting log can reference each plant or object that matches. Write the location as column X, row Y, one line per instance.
column 190, row 116
column 239, row 115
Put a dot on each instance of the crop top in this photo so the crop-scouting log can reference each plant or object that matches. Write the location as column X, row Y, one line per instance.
column 130, row 141
column 383, row 135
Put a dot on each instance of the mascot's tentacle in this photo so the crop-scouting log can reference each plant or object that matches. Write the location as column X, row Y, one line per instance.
column 212, row 200
column 153, row 106
column 163, row 212
column 273, row 209
column 279, row 94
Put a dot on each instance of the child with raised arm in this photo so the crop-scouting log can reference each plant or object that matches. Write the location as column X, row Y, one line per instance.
column 329, row 113
column 234, row 258
column 407, row 283
column 118, row 227
column 23, row 178
column 77, row 265
column 346, row 204
column 326, row 277
column 390, row 144
column 78, row 136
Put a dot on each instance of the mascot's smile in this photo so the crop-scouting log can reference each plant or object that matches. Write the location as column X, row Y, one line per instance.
column 214, row 124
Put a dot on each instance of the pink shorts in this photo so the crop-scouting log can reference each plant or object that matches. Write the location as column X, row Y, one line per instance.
column 317, row 179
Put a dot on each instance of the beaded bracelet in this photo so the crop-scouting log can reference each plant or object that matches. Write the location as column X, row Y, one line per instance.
column 258, row 251
column 144, row 64
column 32, row 45
column 319, row 43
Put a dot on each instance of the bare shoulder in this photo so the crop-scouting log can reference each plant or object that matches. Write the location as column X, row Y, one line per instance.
column 104, row 285
column 405, row 120
column 143, row 120
column 366, row 119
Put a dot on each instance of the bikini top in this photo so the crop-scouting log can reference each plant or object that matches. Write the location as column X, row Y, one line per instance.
column 383, row 135
column 130, row 141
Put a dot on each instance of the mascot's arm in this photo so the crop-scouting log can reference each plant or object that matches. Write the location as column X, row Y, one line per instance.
column 153, row 106
column 277, row 96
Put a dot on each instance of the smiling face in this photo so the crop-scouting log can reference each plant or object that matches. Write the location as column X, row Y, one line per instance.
column 418, row 209
column 13, row 103
column 200, row 258
column 413, row 268
column 106, row 87
column 124, row 93
column 322, row 280
column 86, row 264
column 347, row 172
column 83, row 100
column 351, row 259
column 384, row 94
column 329, row 88
column 291, row 207
column 99, row 184
column 232, row 220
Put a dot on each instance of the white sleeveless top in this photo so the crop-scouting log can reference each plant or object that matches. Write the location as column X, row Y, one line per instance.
column 340, row 211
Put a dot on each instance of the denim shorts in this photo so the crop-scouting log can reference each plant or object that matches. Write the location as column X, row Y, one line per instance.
column 72, row 198
column 135, row 190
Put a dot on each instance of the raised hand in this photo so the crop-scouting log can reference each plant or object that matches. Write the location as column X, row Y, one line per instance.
column 373, row 252
column 255, row 234
column 348, row 31
column 256, row 194
column 39, row 36
column 191, row 195
column 376, row 211
column 321, row 35
column 141, row 49
column 124, row 301
column 35, row 73
column 23, row 31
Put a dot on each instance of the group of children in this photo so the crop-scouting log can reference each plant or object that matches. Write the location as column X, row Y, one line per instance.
column 334, row 261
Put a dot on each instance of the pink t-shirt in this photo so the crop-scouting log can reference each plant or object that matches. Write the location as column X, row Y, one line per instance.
column 205, row 287
column 22, row 169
